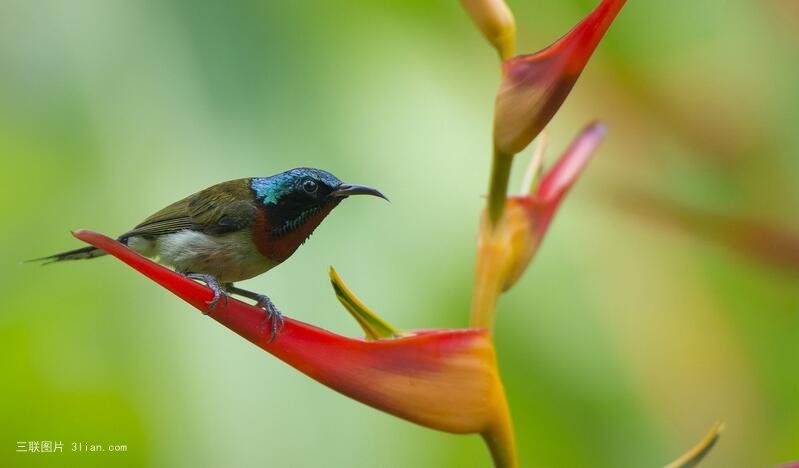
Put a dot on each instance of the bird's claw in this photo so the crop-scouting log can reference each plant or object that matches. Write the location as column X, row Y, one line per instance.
column 213, row 284
column 218, row 294
column 272, row 315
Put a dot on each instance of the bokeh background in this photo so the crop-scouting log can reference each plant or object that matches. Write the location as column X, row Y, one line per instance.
column 664, row 298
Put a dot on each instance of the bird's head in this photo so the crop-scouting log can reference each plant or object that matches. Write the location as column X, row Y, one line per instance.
column 296, row 201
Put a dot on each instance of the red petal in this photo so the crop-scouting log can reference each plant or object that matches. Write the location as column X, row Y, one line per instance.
column 535, row 85
column 559, row 179
column 505, row 250
column 443, row 379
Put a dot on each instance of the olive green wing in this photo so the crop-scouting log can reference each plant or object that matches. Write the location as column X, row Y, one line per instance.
column 225, row 207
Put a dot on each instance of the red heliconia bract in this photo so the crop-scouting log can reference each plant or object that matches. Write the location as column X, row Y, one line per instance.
column 535, row 85
column 442, row 379
column 505, row 248
column 533, row 213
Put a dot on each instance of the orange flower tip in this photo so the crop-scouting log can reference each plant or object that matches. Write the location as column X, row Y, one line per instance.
column 535, row 86
column 495, row 21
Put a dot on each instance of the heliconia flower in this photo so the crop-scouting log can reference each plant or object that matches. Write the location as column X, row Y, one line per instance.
column 557, row 181
column 697, row 453
column 495, row 20
column 506, row 248
column 442, row 379
column 535, row 85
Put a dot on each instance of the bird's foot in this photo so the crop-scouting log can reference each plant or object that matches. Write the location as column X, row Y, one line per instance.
column 216, row 287
column 272, row 314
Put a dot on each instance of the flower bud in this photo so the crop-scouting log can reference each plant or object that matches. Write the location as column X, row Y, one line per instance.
column 495, row 21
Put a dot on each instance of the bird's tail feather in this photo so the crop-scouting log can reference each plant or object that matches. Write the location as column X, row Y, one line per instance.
column 77, row 254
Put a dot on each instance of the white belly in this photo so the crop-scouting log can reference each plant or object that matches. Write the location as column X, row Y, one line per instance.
column 227, row 257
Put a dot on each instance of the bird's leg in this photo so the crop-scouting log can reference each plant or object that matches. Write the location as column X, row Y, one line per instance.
column 262, row 301
column 213, row 283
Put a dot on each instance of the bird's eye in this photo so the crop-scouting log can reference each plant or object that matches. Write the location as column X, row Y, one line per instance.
column 309, row 186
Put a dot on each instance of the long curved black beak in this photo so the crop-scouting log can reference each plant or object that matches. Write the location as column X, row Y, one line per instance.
column 345, row 190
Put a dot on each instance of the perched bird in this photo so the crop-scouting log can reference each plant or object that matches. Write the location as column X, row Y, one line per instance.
column 236, row 230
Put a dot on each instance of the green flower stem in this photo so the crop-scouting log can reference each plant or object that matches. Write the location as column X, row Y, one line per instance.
column 498, row 185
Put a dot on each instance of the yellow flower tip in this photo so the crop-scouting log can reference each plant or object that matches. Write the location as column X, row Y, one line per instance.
column 698, row 452
column 495, row 21
column 374, row 327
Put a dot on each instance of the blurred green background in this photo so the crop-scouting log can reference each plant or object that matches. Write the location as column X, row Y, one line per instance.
column 622, row 345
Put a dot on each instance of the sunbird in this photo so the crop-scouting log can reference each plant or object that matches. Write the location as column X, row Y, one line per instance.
column 236, row 230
